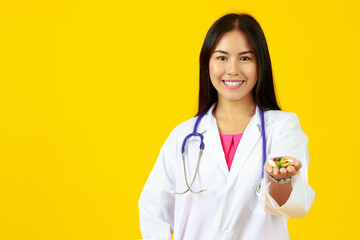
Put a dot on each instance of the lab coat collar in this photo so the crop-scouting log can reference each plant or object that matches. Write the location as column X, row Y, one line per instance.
column 250, row 138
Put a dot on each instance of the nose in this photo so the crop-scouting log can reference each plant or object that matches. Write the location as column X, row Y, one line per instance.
column 233, row 67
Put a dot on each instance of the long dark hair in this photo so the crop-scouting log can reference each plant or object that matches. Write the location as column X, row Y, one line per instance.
column 263, row 91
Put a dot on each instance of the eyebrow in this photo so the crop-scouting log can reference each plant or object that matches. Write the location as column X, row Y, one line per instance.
column 221, row 51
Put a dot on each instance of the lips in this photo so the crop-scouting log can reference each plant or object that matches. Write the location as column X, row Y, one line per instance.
column 232, row 84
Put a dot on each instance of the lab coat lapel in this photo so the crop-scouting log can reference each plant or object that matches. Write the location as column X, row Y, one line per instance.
column 249, row 140
column 213, row 142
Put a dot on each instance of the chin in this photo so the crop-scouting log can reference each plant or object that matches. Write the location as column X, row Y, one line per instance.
column 235, row 98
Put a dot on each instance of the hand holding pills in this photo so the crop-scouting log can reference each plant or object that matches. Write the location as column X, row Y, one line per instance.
column 282, row 167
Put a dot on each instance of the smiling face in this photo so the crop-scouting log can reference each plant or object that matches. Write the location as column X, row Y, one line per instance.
column 233, row 68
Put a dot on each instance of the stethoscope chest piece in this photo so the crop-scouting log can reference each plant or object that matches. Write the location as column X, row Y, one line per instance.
column 258, row 188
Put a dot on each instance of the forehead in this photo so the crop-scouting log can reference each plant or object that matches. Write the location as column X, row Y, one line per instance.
column 233, row 41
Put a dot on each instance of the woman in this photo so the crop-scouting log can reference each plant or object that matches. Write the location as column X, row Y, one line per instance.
column 229, row 192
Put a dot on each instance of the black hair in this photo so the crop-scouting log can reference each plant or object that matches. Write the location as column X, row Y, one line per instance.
column 263, row 91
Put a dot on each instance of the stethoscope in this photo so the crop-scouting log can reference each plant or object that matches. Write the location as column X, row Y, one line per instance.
column 202, row 146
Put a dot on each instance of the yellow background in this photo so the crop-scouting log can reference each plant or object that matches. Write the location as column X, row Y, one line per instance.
column 90, row 90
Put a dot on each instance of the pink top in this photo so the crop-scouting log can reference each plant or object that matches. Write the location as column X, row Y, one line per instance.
column 230, row 143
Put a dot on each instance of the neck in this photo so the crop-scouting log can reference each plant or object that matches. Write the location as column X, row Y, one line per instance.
column 233, row 110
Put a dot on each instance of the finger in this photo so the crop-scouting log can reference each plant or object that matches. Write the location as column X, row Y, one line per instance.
column 283, row 171
column 268, row 168
column 276, row 173
column 297, row 165
column 267, row 165
column 291, row 169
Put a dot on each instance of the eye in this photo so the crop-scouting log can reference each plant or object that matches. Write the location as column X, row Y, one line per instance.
column 221, row 58
column 245, row 58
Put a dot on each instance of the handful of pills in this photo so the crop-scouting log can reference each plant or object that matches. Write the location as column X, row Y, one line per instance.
column 280, row 162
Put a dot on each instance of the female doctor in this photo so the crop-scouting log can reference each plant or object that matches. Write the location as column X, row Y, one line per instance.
column 216, row 183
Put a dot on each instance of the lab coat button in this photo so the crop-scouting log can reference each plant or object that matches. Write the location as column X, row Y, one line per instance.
column 225, row 236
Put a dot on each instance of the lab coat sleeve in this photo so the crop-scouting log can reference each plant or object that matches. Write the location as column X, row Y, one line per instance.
column 156, row 204
column 291, row 141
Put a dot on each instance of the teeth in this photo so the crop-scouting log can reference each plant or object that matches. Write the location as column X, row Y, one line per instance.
column 233, row 83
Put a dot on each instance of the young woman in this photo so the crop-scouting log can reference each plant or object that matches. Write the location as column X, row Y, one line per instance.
column 218, row 182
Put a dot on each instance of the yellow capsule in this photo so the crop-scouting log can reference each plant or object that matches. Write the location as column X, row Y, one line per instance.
column 286, row 164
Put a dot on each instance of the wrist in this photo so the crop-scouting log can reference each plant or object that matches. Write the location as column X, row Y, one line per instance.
column 279, row 181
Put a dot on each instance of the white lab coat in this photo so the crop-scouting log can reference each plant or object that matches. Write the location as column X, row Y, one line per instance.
column 231, row 208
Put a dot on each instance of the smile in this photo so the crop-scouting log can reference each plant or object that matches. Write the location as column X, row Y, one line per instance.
column 233, row 84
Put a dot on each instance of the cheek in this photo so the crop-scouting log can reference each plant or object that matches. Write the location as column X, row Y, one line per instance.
column 251, row 72
column 215, row 70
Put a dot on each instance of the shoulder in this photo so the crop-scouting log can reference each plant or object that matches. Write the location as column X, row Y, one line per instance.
column 285, row 121
column 177, row 135
column 279, row 117
column 187, row 123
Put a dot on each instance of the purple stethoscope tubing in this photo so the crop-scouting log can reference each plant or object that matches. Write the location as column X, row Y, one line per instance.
column 263, row 140
column 195, row 133
column 202, row 146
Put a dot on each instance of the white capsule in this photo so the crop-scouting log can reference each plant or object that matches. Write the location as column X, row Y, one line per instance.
column 272, row 163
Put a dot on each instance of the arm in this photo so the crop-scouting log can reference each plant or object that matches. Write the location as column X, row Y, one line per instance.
column 293, row 199
column 156, row 204
column 281, row 192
